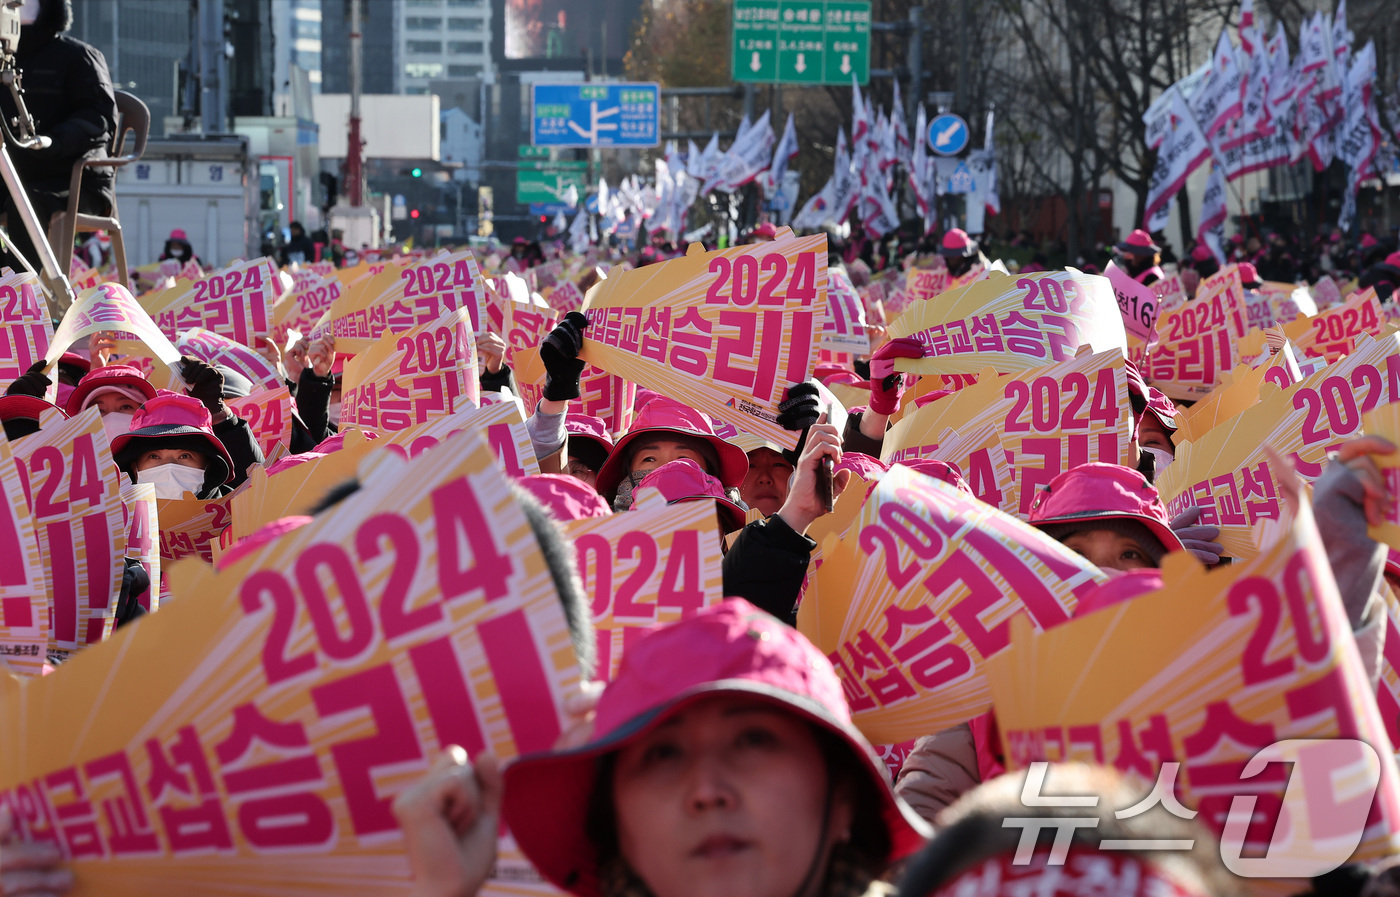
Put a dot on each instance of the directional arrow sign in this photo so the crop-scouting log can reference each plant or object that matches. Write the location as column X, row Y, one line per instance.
column 948, row 134
column 801, row 41
column 592, row 114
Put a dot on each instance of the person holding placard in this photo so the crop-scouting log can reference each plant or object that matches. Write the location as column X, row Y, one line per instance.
column 172, row 445
column 723, row 763
column 962, row 254
column 1142, row 258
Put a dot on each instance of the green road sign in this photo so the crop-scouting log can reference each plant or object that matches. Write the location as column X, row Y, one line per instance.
column 801, row 41
column 533, row 152
column 546, row 182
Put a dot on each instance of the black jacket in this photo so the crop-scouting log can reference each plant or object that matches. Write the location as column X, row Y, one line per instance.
column 68, row 91
column 766, row 566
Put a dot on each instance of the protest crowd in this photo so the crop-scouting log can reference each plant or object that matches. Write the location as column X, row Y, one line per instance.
column 848, row 558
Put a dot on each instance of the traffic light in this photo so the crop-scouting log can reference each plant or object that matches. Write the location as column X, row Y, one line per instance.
column 417, row 172
column 413, row 213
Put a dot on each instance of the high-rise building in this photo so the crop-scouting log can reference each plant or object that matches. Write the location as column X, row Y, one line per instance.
column 297, row 41
column 442, row 39
column 143, row 41
column 378, row 47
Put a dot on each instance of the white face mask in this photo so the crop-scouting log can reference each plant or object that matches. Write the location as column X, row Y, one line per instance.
column 172, row 480
column 333, row 413
column 29, row 12
column 115, row 423
column 1161, row 458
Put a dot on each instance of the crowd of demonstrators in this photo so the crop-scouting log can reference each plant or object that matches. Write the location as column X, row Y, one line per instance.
column 722, row 760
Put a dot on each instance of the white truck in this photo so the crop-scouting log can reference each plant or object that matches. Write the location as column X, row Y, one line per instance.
column 209, row 187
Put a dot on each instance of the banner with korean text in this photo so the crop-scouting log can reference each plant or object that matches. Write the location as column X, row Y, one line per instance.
column 25, row 328
column 1012, row 323
column 910, row 609
column 110, row 307
column 1205, row 673
column 398, row 299
column 1196, row 341
column 235, row 302
column 409, row 378
column 24, row 588
column 269, row 715
column 726, row 332
column 646, row 568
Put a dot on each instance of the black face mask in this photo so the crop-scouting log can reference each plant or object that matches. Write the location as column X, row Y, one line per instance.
column 1147, row 465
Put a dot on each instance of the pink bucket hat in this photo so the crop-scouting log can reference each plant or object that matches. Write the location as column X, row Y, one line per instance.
column 1098, row 492
column 590, row 436
column 939, row 470
column 957, row 244
column 663, row 416
column 683, row 480
column 564, row 497
column 169, row 415
column 732, row 648
column 117, row 378
column 1139, row 242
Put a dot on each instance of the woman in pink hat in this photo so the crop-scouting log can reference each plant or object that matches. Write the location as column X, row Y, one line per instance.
column 961, row 253
column 682, row 480
column 1142, row 258
column 1108, row 513
column 117, row 390
column 171, row 444
column 723, row 763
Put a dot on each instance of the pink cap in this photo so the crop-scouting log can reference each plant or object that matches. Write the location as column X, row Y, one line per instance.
column 1139, row 242
column 663, row 416
column 169, row 414
column 1367, row 241
column 259, row 537
column 829, row 372
column 77, row 359
column 957, row 244
column 683, row 480
column 1104, row 492
column 1393, row 260
column 1237, row 239
column 939, row 470
column 1162, row 408
column 178, row 234
column 766, row 230
column 1202, row 253
column 119, row 378
column 586, row 428
column 564, row 497
column 1249, row 275
column 732, row 648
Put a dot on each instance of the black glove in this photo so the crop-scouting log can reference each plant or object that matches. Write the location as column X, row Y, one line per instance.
column 559, row 353
column 204, row 383
column 799, row 410
column 135, row 583
column 32, row 382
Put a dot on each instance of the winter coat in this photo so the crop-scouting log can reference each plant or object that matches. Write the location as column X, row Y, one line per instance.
column 68, row 91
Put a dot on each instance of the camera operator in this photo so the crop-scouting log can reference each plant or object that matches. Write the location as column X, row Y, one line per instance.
column 68, row 91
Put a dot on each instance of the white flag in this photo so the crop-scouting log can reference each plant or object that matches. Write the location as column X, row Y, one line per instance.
column 1214, row 211
column 818, row 209
column 787, row 149
column 1219, row 98
column 1184, row 148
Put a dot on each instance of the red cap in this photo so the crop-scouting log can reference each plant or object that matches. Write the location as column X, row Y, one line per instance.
column 939, row 470
column 663, row 416
column 1139, row 242
column 1249, row 275
column 732, row 648
column 25, row 408
column 114, row 378
column 259, row 537
column 957, row 244
column 1104, row 492
column 564, row 497
column 683, row 480
column 170, row 414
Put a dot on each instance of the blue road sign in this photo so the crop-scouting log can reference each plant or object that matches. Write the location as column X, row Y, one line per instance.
column 549, row 209
column 948, row 134
column 592, row 114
